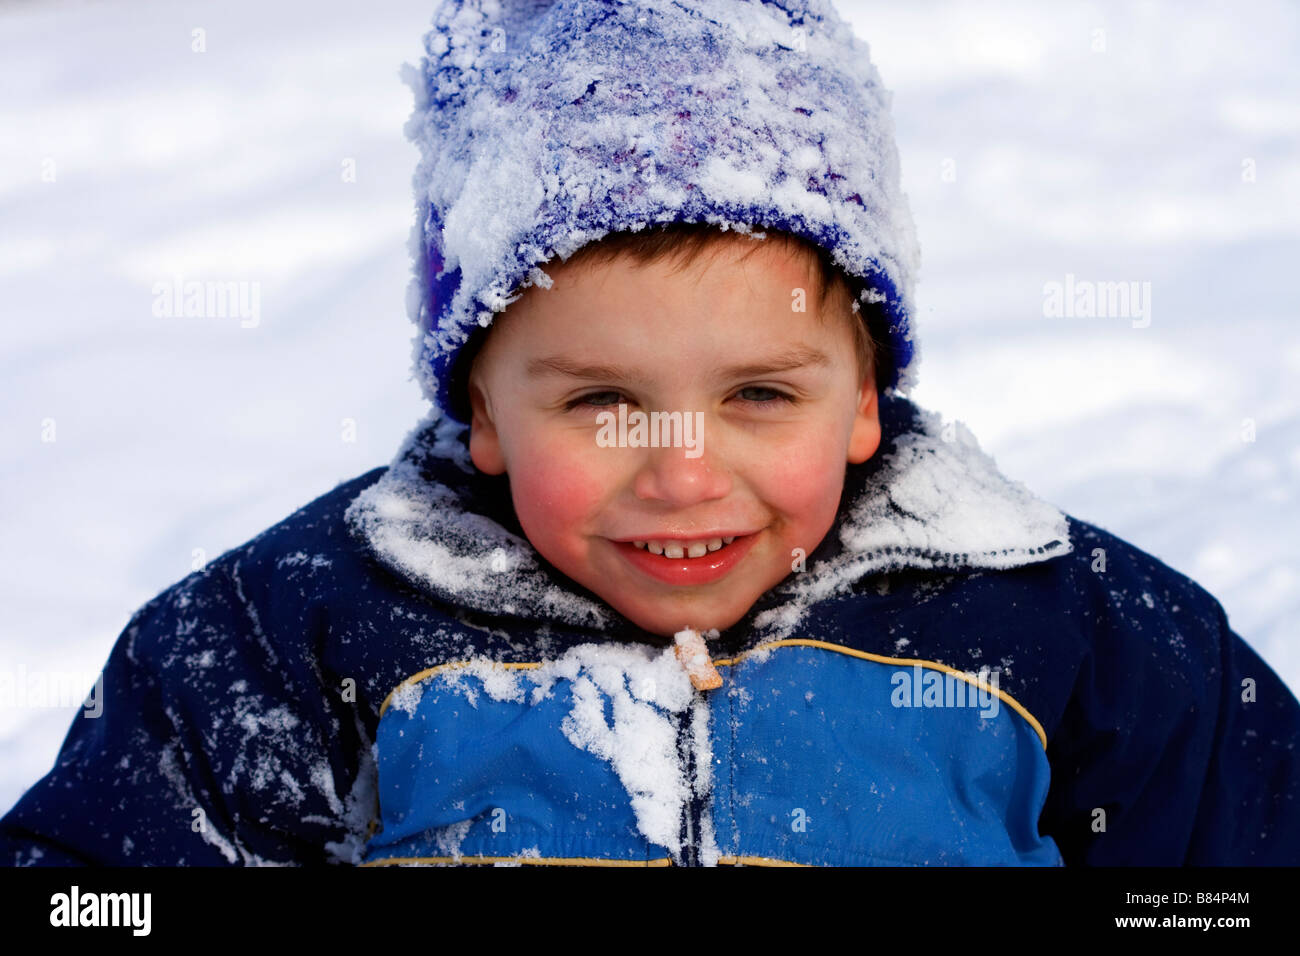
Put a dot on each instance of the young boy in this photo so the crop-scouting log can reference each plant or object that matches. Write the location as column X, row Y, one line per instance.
column 673, row 573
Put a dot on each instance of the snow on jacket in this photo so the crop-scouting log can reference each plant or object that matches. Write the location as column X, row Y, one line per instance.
column 394, row 674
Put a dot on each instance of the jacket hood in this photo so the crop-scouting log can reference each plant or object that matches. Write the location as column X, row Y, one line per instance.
column 929, row 498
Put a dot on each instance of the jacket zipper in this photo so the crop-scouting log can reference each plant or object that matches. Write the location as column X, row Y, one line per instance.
column 692, row 810
column 694, row 656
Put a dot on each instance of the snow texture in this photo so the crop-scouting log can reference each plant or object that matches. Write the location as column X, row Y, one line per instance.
column 359, row 808
column 544, row 126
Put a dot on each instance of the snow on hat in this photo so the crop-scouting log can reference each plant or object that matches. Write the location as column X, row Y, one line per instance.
column 544, row 126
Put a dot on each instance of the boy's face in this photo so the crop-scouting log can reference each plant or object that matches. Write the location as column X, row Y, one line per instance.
column 718, row 338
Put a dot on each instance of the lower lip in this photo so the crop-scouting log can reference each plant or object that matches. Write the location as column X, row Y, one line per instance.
column 686, row 572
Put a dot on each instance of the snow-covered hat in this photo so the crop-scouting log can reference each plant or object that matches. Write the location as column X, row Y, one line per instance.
column 543, row 126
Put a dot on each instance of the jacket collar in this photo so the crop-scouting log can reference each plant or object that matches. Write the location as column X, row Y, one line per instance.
column 928, row 499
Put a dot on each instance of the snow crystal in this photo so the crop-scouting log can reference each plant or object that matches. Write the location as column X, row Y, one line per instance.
column 702, row 784
column 299, row 558
column 709, row 851
column 503, row 684
column 169, row 765
column 497, row 681
column 292, row 791
column 322, row 779
column 406, row 698
column 200, row 661
column 449, row 838
column 360, row 806
column 529, row 853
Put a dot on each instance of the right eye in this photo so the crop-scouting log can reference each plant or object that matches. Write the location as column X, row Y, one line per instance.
column 592, row 399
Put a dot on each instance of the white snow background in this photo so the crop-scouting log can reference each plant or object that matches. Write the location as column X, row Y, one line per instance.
column 1028, row 153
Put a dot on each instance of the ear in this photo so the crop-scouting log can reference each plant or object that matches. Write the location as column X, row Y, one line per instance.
column 865, row 437
column 484, row 442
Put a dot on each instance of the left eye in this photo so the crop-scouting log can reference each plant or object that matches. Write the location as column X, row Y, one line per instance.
column 593, row 399
column 774, row 398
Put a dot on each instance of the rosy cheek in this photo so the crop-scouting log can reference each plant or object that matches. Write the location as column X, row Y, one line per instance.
column 556, row 493
column 799, row 476
column 804, row 484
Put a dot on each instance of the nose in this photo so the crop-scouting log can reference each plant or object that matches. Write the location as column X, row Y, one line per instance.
column 667, row 475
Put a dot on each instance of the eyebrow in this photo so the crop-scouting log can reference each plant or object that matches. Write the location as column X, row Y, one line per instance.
column 799, row 356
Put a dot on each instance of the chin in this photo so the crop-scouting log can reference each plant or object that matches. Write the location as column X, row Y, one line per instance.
column 667, row 623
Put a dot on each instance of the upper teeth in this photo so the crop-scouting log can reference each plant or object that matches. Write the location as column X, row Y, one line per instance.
column 673, row 548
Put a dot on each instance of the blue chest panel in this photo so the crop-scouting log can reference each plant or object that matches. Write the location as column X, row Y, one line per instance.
column 808, row 753
column 463, row 775
column 827, row 757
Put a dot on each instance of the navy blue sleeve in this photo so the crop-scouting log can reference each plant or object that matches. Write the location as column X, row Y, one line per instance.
column 1248, row 809
column 1178, row 745
column 213, row 748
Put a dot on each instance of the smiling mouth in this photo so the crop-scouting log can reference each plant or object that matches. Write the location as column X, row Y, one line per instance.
column 688, row 562
column 676, row 549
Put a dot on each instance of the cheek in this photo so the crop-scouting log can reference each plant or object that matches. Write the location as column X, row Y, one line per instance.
column 555, row 492
column 805, row 482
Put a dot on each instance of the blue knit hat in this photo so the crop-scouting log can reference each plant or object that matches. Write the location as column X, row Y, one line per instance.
column 544, row 126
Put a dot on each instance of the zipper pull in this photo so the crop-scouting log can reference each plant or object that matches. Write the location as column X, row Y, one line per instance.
column 694, row 656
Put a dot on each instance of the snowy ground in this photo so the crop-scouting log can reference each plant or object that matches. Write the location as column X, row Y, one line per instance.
column 1029, row 154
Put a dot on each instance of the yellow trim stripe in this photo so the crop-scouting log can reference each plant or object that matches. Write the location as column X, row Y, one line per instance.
column 792, row 642
column 429, row 672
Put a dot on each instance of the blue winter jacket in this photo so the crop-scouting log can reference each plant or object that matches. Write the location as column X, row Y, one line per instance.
column 958, row 674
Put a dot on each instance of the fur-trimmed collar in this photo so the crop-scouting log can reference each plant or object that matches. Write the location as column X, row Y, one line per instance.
column 928, row 499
